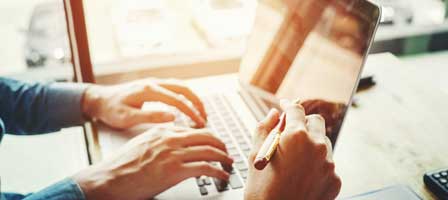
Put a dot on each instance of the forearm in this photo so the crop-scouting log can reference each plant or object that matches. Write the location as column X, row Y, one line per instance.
column 32, row 108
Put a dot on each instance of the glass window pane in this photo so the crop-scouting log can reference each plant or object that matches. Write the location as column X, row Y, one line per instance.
column 34, row 41
column 122, row 31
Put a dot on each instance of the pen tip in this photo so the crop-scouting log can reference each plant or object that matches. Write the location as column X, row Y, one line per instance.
column 260, row 163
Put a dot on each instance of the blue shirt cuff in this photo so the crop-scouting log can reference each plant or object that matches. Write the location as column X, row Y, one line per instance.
column 66, row 189
column 66, row 102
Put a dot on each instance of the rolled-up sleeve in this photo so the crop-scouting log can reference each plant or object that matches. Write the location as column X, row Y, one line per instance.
column 66, row 189
column 64, row 101
column 33, row 108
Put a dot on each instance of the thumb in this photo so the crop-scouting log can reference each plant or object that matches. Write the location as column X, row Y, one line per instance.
column 264, row 127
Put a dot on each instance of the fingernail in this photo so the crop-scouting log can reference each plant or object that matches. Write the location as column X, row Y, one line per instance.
column 201, row 123
column 271, row 112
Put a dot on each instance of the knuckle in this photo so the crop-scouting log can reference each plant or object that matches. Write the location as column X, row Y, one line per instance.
column 330, row 167
column 299, row 135
column 210, row 150
column 172, row 165
column 147, row 87
column 206, row 167
column 122, row 114
column 337, row 182
column 316, row 117
column 295, row 106
column 295, row 127
column 165, row 153
column 321, row 150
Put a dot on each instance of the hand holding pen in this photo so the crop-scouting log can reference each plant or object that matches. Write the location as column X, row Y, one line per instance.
column 270, row 144
column 301, row 166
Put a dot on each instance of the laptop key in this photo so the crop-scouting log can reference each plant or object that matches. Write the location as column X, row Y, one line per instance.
column 237, row 158
column 235, row 182
column 233, row 152
column 203, row 190
column 220, row 185
column 244, row 147
column 207, row 181
column 246, row 153
column 445, row 173
column 230, row 146
column 244, row 173
column 200, row 182
column 240, row 166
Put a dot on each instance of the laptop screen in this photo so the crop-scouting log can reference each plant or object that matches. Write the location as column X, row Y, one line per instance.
column 313, row 50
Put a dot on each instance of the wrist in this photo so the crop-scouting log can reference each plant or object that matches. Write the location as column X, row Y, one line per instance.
column 93, row 183
column 91, row 102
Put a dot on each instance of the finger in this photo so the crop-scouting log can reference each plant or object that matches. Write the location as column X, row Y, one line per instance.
column 265, row 126
column 181, row 129
column 205, row 153
column 195, row 169
column 333, row 188
column 188, row 94
column 127, row 117
column 329, row 148
column 138, row 116
column 295, row 115
column 316, row 129
column 315, row 125
column 201, row 137
column 268, row 123
column 180, row 102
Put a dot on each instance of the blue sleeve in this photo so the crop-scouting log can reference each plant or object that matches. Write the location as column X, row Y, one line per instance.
column 33, row 108
column 66, row 189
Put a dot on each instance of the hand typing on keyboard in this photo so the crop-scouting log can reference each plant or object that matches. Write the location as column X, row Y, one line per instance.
column 153, row 162
column 119, row 105
column 302, row 167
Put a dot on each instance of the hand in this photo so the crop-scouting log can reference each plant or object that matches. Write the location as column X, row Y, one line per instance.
column 153, row 162
column 332, row 112
column 119, row 106
column 302, row 166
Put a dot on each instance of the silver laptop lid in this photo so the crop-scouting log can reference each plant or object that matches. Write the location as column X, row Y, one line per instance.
column 313, row 50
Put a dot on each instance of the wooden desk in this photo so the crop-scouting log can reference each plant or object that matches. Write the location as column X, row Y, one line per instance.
column 398, row 132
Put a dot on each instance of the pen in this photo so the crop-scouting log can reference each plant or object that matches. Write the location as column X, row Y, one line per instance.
column 270, row 144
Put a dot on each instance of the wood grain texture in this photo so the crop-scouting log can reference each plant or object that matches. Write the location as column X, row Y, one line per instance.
column 398, row 132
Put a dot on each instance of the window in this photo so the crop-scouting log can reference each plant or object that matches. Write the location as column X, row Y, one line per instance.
column 34, row 42
column 129, row 37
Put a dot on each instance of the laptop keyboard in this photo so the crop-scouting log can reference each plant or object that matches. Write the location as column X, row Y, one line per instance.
column 226, row 124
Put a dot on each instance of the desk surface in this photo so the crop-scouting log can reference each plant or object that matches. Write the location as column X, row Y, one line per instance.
column 398, row 132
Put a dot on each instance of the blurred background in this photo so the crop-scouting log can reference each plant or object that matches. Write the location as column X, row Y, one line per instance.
column 132, row 39
column 125, row 35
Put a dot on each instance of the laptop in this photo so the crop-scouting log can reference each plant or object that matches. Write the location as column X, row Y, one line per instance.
column 308, row 49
